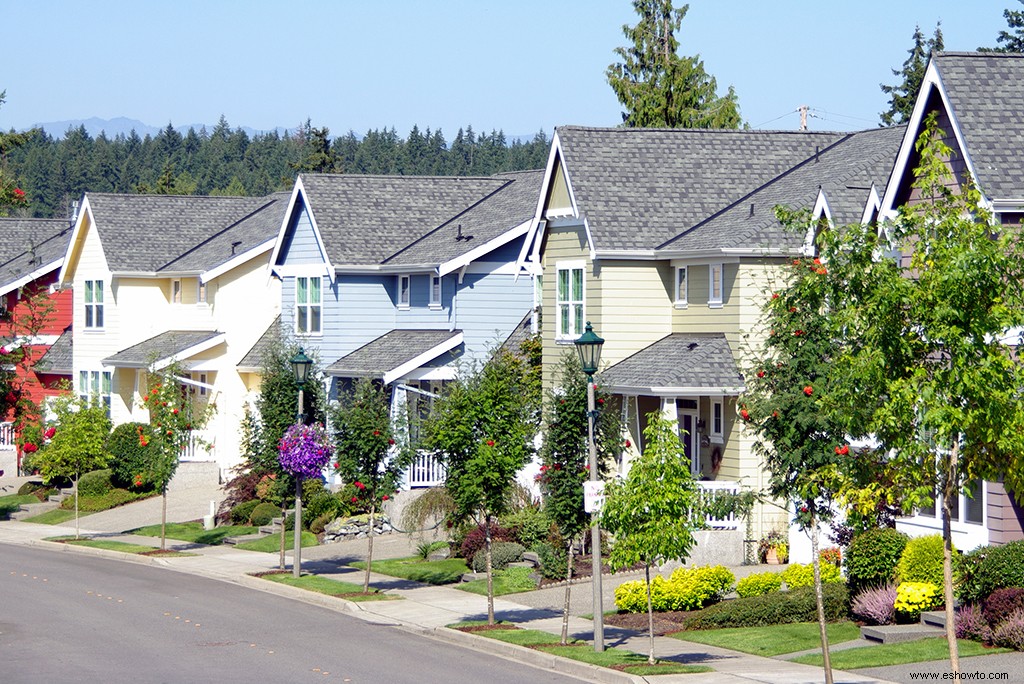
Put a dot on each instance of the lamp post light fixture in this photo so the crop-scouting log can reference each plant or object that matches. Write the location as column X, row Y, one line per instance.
column 300, row 366
column 588, row 346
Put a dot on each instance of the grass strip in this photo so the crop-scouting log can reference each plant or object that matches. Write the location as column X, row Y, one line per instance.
column 772, row 640
column 330, row 587
column 12, row 503
column 272, row 543
column 195, row 533
column 884, row 655
column 508, row 581
column 57, row 516
column 615, row 658
column 413, row 568
column 110, row 545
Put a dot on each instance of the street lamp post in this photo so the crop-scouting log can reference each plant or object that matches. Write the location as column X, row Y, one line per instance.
column 300, row 366
column 589, row 348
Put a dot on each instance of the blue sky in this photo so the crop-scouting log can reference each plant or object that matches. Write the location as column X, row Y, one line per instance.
column 520, row 65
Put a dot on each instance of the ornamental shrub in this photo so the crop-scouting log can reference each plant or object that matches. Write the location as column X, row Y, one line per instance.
column 263, row 514
column 320, row 522
column 130, row 460
column 530, row 525
column 1002, row 567
column 759, row 583
column 1000, row 603
column 502, row 553
column 685, row 589
column 95, row 483
column 552, row 560
column 241, row 513
column 781, row 607
column 832, row 555
column 967, row 575
column 632, row 596
column 111, row 499
column 914, row 597
column 796, row 575
column 921, row 560
column 970, row 623
column 872, row 557
column 475, row 540
column 1010, row 633
column 876, row 605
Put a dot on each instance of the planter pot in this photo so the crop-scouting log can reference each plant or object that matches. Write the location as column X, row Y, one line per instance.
column 771, row 557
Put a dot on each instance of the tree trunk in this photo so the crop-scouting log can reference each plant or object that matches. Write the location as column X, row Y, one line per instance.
column 819, row 596
column 949, row 490
column 568, row 589
column 284, row 516
column 163, row 519
column 369, row 550
column 650, row 614
column 490, row 576
column 297, row 551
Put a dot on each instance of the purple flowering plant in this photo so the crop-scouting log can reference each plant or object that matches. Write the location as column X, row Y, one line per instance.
column 304, row 450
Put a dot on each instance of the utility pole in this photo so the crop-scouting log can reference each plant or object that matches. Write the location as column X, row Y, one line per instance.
column 803, row 116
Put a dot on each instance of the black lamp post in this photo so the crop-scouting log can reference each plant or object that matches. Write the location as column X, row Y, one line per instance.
column 588, row 346
column 300, row 366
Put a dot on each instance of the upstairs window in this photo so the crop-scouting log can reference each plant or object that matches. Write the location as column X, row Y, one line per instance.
column 176, row 291
column 307, row 306
column 681, row 287
column 200, row 291
column 435, row 292
column 570, row 301
column 93, row 303
column 715, row 285
column 404, row 291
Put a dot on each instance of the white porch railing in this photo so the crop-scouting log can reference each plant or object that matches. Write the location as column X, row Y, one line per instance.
column 7, row 436
column 425, row 471
column 196, row 449
column 712, row 490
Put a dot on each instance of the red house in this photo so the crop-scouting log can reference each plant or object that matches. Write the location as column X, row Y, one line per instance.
column 35, row 321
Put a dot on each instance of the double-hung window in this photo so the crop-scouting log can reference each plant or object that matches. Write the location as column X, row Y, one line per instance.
column 682, row 292
column 717, row 421
column 176, row 291
column 404, row 291
column 435, row 292
column 200, row 291
column 715, row 286
column 93, row 303
column 94, row 388
column 570, row 300
column 307, row 305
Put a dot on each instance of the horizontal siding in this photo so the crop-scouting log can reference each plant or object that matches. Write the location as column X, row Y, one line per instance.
column 300, row 245
column 635, row 306
column 564, row 244
column 1005, row 517
column 419, row 314
column 488, row 308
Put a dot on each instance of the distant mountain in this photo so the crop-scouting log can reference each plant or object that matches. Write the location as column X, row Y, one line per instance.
column 118, row 125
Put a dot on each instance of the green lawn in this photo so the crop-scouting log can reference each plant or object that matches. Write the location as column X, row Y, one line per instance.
column 634, row 663
column 12, row 503
column 416, row 569
column 57, row 516
column 272, row 543
column 898, row 654
column 331, row 587
column 508, row 581
column 194, row 532
column 772, row 640
column 109, row 545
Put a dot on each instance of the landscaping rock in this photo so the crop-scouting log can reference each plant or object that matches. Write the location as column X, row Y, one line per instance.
column 357, row 527
column 440, row 554
column 532, row 558
column 472, row 576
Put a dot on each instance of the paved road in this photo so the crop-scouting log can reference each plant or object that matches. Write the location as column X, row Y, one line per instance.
column 68, row 617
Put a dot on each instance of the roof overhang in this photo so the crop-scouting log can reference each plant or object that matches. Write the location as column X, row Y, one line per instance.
column 634, row 390
column 29, row 277
column 237, row 261
column 400, row 368
column 299, row 193
column 162, row 350
column 472, row 255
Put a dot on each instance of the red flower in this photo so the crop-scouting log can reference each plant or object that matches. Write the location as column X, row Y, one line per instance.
column 376, row 433
column 792, row 309
column 490, row 442
column 745, row 414
column 760, row 374
column 842, row 450
column 391, row 442
column 175, row 411
column 30, row 448
column 796, row 262
column 600, row 401
column 359, row 485
column 798, row 333
column 822, row 271
column 336, row 465
column 50, row 432
column 803, row 509
column 775, row 295
column 354, row 499
column 19, row 195
column 384, row 498
column 817, row 262
column 808, row 390
column 628, row 444
column 775, row 414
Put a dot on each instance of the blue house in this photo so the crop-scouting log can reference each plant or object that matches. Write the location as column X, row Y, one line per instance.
column 404, row 279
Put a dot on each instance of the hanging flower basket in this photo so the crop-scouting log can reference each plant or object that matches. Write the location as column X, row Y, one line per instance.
column 304, row 451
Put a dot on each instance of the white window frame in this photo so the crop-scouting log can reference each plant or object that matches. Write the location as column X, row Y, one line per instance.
column 93, row 304
column 96, row 386
column 715, row 300
column 176, row 291
column 682, row 298
column 717, row 431
column 309, row 306
column 201, row 377
column 404, row 291
column 435, row 291
column 575, row 323
column 201, row 292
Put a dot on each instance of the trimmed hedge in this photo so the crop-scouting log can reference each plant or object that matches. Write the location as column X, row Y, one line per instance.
column 241, row 513
column 94, row 504
column 759, row 584
column 1002, row 567
column 872, row 557
column 921, row 560
column 502, row 553
column 263, row 514
column 685, row 589
column 95, row 483
column 778, row 608
column 796, row 575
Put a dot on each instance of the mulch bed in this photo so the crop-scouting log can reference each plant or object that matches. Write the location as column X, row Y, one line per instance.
column 664, row 623
column 161, row 552
column 486, row 628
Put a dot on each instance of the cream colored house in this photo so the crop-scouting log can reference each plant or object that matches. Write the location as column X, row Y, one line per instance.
column 667, row 241
column 159, row 278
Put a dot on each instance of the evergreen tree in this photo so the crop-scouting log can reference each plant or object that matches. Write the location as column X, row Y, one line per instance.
column 903, row 95
column 1011, row 42
column 658, row 87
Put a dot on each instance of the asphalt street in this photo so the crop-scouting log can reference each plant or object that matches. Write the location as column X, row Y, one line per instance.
column 84, row 619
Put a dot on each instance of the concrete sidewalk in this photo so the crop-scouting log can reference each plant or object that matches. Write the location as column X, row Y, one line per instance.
column 427, row 609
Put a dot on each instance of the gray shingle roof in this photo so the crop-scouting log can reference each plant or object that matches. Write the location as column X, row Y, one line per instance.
column 57, row 359
column 521, row 333
column 845, row 172
column 986, row 92
column 365, row 219
column 172, row 226
column 639, row 188
column 254, row 357
column 679, row 360
column 159, row 348
column 27, row 244
column 513, row 204
column 388, row 352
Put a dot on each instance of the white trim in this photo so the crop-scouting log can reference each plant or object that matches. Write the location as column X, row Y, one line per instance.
column 182, row 355
column 433, row 373
column 472, row 255
column 194, row 383
column 297, row 191
column 872, row 207
column 403, row 297
column 684, row 301
column 679, row 392
column 435, row 280
column 719, row 436
column 25, row 280
column 570, row 266
column 403, row 370
column 716, row 302
column 64, row 278
column 235, row 261
column 32, row 341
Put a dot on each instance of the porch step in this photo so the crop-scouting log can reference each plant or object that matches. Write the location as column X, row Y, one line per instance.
column 894, row 634
column 30, row 510
column 935, row 618
column 242, row 538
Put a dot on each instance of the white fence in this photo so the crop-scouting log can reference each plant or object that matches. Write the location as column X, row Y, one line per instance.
column 425, row 471
column 713, row 490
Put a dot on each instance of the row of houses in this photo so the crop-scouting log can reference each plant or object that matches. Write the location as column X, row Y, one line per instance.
column 666, row 240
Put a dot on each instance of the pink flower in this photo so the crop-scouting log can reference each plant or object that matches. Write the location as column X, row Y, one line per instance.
column 30, row 448
column 50, row 432
column 354, row 499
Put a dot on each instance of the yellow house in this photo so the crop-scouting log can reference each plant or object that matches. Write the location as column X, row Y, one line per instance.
column 161, row 278
column 667, row 241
